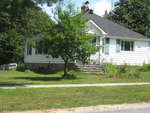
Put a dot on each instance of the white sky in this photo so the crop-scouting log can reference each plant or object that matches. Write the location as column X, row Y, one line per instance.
column 99, row 6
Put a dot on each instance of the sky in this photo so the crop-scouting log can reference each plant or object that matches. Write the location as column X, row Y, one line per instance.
column 99, row 6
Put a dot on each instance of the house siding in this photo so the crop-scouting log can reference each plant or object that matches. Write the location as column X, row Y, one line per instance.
column 140, row 55
column 39, row 58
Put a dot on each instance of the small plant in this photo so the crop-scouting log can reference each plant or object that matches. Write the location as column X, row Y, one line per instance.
column 110, row 70
column 123, row 68
column 28, row 71
column 21, row 67
column 145, row 67
column 132, row 73
column 124, row 71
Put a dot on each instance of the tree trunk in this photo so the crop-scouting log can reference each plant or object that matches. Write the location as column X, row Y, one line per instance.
column 65, row 69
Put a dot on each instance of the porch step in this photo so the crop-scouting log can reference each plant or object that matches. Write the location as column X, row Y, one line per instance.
column 93, row 69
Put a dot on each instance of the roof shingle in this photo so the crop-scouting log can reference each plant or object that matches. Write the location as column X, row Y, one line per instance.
column 114, row 29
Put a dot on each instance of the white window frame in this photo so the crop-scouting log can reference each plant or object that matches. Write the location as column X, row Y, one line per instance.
column 29, row 49
column 131, row 48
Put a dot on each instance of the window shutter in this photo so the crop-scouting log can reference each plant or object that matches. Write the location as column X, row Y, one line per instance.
column 94, row 42
column 103, row 43
column 107, row 41
column 117, row 46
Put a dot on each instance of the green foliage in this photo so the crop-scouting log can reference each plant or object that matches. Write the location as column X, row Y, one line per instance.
column 110, row 70
column 21, row 67
column 123, row 71
column 19, row 20
column 10, row 47
column 132, row 73
column 48, row 2
column 68, row 38
column 145, row 67
column 134, row 14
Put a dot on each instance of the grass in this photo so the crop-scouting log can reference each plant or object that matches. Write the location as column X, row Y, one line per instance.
column 46, row 77
column 29, row 99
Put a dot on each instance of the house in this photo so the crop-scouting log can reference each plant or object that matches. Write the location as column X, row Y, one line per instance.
column 120, row 45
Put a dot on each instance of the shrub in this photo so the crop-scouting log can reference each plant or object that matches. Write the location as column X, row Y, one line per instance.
column 123, row 71
column 145, row 67
column 132, row 73
column 28, row 71
column 21, row 67
column 110, row 70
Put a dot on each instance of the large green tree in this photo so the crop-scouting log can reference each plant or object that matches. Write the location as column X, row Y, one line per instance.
column 134, row 14
column 68, row 38
column 19, row 20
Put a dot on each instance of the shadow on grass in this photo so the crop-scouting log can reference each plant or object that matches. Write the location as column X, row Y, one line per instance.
column 40, row 78
column 45, row 71
column 70, row 77
column 13, row 84
column 41, row 71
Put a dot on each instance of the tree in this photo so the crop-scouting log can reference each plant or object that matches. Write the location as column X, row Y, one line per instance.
column 68, row 38
column 20, row 20
column 13, row 40
column 134, row 14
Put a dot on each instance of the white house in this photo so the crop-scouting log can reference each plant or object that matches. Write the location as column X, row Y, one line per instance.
column 120, row 45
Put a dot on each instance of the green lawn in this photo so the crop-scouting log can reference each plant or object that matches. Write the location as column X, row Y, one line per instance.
column 46, row 77
column 28, row 99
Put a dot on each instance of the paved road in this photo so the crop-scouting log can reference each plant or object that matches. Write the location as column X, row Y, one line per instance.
column 139, row 110
column 122, row 108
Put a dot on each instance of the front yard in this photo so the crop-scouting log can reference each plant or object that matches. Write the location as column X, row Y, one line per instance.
column 29, row 99
column 46, row 77
column 47, row 98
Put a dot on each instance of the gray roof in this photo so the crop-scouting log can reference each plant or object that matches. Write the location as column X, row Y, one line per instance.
column 36, row 37
column 113, row 29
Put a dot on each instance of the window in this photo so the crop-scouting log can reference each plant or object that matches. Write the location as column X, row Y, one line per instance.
column 103, row 43
column 38, row 51
column 29, row 50
column 127, row 45
column 94, row 42
column 107, row 41
column 117, row 46
column 105, row 47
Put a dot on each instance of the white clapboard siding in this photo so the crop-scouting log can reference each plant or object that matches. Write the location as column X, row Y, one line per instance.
column 140, row 55
column 40, row 58
column 136, row 57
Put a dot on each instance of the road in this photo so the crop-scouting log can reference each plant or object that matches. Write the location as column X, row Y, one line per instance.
column 122, row 108
column 140, row 110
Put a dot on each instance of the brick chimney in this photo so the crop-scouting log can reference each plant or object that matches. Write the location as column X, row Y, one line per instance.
column 85, row 7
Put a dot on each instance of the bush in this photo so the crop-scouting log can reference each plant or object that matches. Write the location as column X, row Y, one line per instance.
column 123, row 71
column 21, row 67
column 132, row 73
column 145, row 67
column 110, row 70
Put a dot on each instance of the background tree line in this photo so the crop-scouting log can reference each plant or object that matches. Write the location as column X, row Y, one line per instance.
column 19, row 20
column 133, row 14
